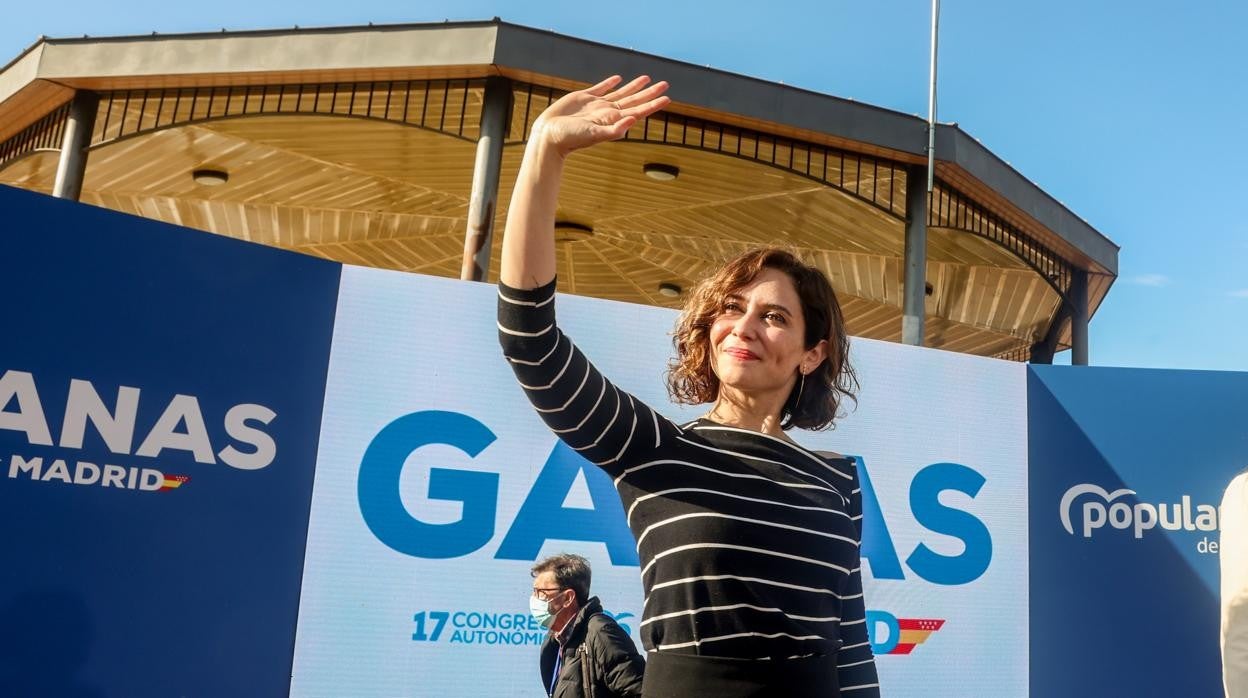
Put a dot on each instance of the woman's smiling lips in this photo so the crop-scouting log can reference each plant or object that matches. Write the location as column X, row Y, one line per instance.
column 741, row 354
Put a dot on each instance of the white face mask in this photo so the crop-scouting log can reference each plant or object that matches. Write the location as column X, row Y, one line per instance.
column 540, row 610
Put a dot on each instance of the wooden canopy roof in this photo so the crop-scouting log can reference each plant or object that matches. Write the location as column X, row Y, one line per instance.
column 357, row 144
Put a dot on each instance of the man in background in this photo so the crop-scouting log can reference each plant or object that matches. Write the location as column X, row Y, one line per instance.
column 586, row 652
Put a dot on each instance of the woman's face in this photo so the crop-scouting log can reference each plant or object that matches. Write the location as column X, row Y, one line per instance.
column 757, row 340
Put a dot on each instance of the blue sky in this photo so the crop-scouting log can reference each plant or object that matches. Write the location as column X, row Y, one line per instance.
column 1131, row 113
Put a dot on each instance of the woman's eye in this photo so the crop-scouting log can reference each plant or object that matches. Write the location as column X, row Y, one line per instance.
column 776, row 317
column 732, row 306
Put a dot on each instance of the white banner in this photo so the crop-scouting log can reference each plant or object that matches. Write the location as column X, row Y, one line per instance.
column 437, row 487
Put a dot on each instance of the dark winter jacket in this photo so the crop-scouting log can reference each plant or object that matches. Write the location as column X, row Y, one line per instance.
column 599, row 658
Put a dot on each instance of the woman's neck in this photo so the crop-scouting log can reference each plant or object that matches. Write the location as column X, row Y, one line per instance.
column 755, row 413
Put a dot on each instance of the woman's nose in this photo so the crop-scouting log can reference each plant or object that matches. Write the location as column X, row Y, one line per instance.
column 745, row 325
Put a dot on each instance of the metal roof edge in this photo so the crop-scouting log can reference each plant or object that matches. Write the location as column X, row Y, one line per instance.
column 274, row 31
column 586, row 61
column 958, row 147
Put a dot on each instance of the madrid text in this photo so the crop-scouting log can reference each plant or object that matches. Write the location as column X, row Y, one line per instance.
column 179, row 431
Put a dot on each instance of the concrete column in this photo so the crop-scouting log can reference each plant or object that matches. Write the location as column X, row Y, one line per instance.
column 484, row 199
column 914, row 288
column 73, row 162
column 1079, row 318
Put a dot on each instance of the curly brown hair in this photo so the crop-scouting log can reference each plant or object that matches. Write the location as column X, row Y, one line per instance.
column 690, row 378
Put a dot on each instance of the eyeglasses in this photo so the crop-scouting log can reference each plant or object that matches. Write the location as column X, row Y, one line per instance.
column 547, row 593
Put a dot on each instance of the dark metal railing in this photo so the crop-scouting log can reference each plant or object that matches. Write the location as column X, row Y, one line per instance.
column 45, row 134
column 877, row 181
column 949, row 208
column 438, row 105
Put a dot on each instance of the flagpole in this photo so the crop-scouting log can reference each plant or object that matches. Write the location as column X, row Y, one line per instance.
column 931, row 102
column 914, row 284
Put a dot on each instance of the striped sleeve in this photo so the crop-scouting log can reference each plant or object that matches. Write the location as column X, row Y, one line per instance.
column 606, row 425
column 855, row 661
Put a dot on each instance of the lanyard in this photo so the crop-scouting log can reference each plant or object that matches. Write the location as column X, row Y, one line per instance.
column 555, row 678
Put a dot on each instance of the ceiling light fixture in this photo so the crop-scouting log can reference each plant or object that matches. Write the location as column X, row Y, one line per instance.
column 209, row 177
column 567, row 231
column 660, row 172
column 670, row 289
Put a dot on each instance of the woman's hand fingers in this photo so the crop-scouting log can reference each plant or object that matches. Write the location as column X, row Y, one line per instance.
column 646, row 102
column 641, row 97
column 605, row 86
column 632, row 87
column 616, row 131
column 602, row 112
column 641, row 111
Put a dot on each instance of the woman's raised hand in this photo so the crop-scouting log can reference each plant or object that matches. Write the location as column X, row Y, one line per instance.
column 600, row 113
column 579, row 119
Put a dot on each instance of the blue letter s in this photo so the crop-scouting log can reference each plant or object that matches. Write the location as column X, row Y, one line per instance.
column 924, row 503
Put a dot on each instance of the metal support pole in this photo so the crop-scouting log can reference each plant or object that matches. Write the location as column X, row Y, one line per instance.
column 931, row 100
column 1042, row 352
column 914, row 286
column 479, row 237
column 1079, row 318
column 73, row 162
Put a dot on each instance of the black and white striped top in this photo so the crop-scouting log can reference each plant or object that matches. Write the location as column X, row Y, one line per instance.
column 749, row 544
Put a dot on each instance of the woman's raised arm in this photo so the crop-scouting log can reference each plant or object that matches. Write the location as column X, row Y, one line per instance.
column 577, row 120
column 598, row 420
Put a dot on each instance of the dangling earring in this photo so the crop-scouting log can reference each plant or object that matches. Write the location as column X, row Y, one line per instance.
column 801, row 385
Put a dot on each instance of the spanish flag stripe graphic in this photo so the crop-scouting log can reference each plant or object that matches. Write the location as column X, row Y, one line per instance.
column 930, row 624
column 914, row 632
column 914, row 637
column 173, row 482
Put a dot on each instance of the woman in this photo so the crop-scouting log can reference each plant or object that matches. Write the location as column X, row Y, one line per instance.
column 1234, row 561
column 748, row 542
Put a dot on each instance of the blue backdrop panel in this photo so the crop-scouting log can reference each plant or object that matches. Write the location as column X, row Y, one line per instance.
column 1126, row 469
column 119, row 590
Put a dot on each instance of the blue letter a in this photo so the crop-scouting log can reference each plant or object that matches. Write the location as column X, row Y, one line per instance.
column 543, row 516
column 877, row 543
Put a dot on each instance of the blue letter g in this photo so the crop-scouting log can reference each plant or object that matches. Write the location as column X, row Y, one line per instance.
column 382, row 507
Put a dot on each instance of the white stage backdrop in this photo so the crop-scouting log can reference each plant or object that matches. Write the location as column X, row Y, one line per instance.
column 437, row 487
